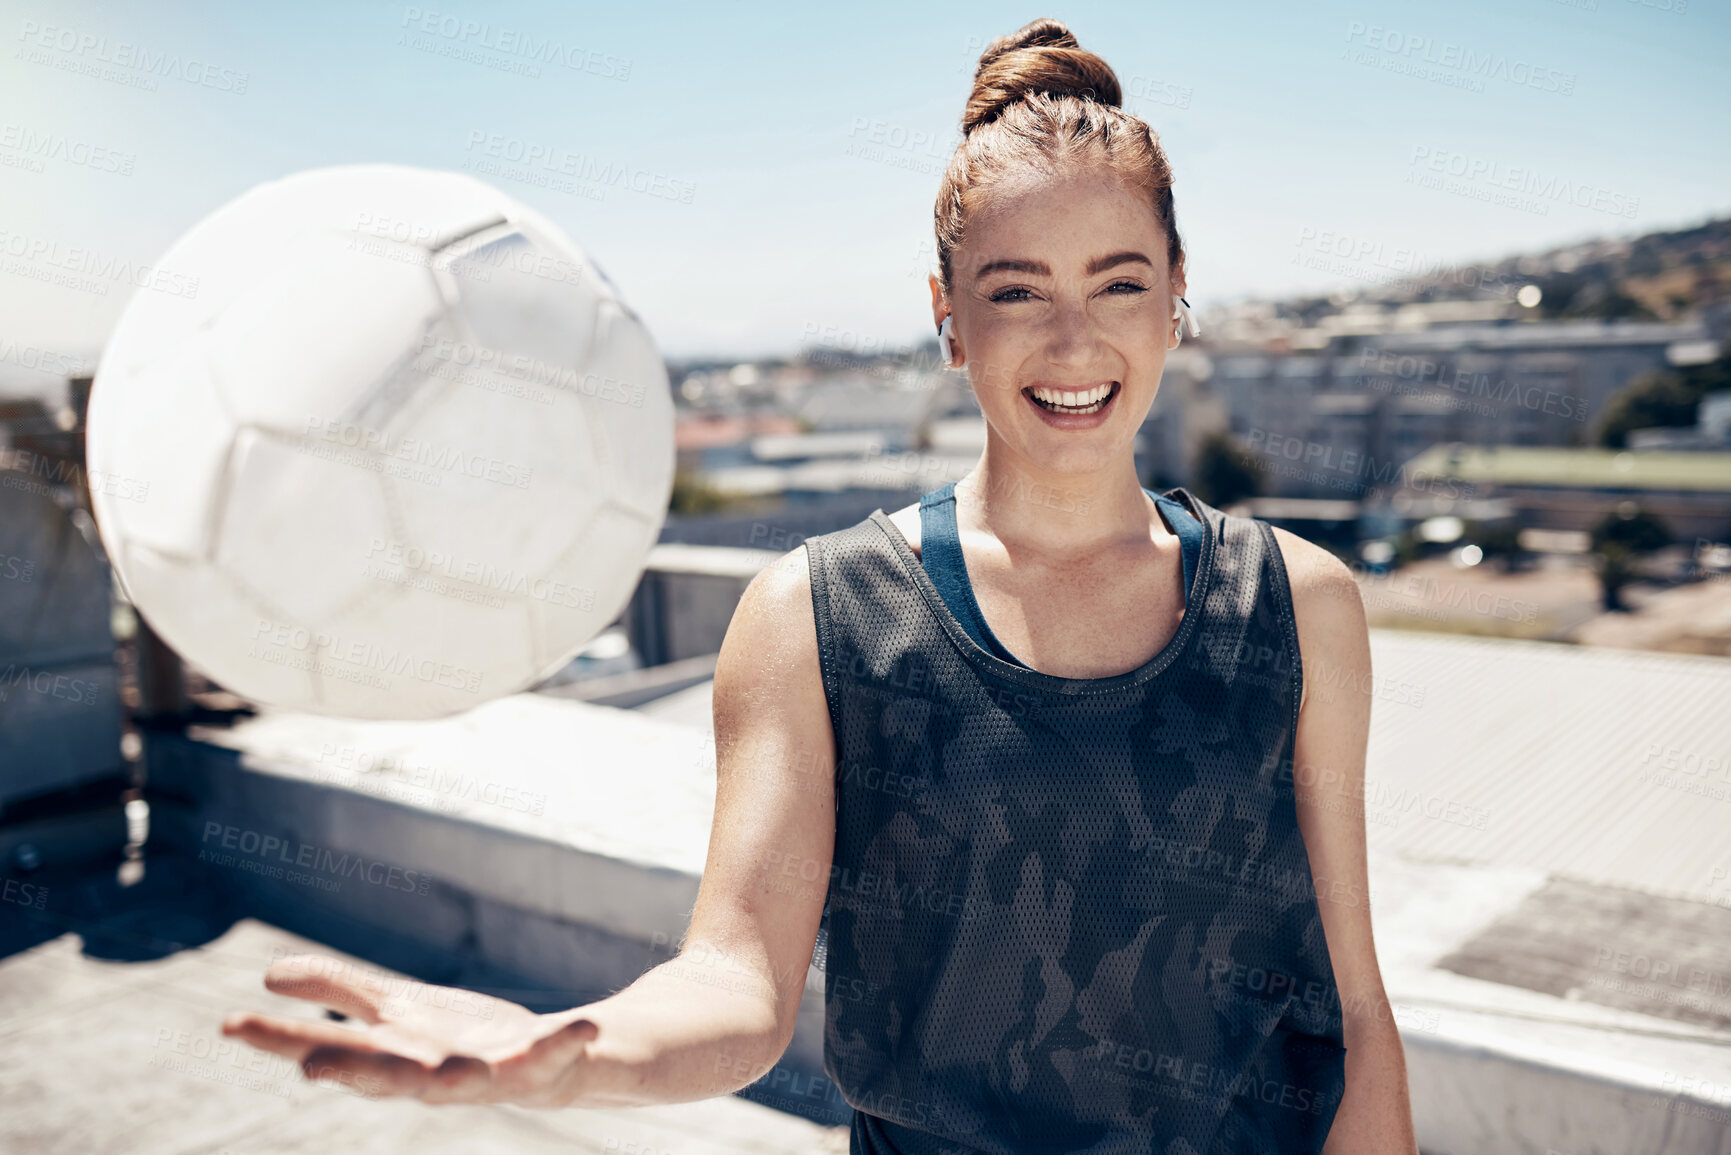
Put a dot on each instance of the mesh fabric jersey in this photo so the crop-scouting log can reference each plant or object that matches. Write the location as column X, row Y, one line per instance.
column 1070, row 914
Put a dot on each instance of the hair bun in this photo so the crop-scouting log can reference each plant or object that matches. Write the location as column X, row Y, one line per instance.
column 1041, row 57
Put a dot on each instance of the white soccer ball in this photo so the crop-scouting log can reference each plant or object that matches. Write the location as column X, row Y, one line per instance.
column 379, row 442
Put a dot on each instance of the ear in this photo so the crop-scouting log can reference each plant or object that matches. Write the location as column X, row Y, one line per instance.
column 1177, row 287
column 940, row 310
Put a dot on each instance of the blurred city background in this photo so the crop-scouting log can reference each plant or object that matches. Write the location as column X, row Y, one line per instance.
column 1470, row 331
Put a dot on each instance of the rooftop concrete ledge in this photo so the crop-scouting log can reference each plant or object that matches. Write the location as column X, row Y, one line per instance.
column 581, row 812
column 1488, row 1099
column 1498, row 1069
column 631, row 688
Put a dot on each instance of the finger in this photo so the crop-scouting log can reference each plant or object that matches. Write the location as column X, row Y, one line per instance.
column 538, row 1073
column 373, row 1075
column 322, row 979
column 462, row 1079
column 458, row 1079
column 547, row 1074
column 567, row 1043
column 294, row 1038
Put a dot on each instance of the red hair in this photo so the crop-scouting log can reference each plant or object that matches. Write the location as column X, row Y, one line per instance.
column 1040, row 100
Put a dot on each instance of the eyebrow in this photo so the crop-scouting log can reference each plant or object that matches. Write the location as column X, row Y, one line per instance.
column 1101, row 264
column 1040, row 269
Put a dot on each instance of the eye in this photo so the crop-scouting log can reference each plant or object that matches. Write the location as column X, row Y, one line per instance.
column 1124, row 288
column 1009, row 293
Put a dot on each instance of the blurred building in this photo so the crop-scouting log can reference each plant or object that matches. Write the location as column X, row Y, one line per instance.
column 1186, row 411
column 1346, row 416
column 1711, row 432
column 705, row 441
column 1572, row 489
column 858, row 402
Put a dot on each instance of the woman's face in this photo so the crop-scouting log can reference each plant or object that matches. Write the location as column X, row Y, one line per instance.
column 1061, row 291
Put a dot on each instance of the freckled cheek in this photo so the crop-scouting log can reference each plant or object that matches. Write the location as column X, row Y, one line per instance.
column 1004, row 332
column 1139, row 339
column 996, row 350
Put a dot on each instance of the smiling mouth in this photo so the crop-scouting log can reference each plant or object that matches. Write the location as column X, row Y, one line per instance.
column 1055, row 407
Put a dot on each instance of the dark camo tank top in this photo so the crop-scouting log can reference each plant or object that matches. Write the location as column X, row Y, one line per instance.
column 1070, row 914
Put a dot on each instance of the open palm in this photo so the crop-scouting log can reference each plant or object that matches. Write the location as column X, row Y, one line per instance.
column 437, row 1044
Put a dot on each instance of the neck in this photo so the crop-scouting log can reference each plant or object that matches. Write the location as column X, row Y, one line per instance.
column 1025, row 504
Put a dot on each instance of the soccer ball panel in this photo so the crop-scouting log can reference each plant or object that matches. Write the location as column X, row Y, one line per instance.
column 444, row 648
column 288, row 351
column 527, row 305
column 410, row 206
column 156, row 450
column 493, row 479
column 629, row 401
column 244, row 240
column 251, row 648
column 280, row 493
column 584, row 591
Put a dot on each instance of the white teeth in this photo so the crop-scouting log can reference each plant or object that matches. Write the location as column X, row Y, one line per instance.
column 1084, row 401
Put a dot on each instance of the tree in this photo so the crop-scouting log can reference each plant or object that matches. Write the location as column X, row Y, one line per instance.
column 1661, row 398
column 1500, row 540
column 692, row 495
column 1620, row 539
column 1632, row 527
column 1649, row 400
column 1615, row 571
column 1591, row 291
column 1225, row 472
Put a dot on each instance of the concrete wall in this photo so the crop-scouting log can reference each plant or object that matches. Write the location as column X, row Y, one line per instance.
column 59, row 697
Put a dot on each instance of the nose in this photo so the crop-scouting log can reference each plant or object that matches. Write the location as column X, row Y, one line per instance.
column 1072, row 339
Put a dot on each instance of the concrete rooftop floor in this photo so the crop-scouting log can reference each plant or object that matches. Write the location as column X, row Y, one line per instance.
column 111, row 1001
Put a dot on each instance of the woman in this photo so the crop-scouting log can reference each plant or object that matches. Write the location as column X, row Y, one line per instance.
column 1085, row 898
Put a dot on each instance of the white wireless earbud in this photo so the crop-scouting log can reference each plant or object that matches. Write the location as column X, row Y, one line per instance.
column 946, row 344
column 1181, row 312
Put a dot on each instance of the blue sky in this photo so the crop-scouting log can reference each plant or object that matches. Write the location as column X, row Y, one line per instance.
column 796, row 151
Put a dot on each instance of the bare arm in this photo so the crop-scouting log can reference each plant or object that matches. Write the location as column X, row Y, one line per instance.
column 709, row 1021
column 1375, row 1116
column 719, row 1015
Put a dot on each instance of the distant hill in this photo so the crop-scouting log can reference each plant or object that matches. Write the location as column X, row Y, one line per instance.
column 1659, row 276
column 1656, row 277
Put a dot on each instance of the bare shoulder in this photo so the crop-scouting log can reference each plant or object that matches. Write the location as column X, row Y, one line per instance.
column 907, row 519
column 1327, row 608
column 1313, row 573
column 773, row 631
column 768, row 692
